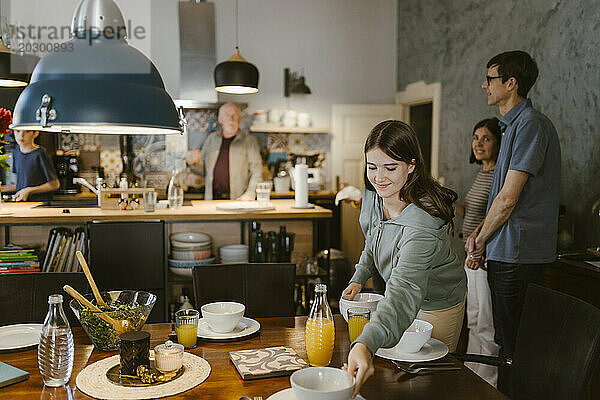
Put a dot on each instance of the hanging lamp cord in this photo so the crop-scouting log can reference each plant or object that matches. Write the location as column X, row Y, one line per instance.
column 237, row 22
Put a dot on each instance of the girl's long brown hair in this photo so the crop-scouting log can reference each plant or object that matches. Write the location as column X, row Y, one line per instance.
column 399, row 141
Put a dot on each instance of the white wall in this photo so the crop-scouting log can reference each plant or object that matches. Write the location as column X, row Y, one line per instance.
column 347, row 48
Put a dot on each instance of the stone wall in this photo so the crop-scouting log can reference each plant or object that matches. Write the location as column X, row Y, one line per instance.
column 451, row 42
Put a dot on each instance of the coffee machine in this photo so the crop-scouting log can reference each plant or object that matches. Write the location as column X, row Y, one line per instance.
column 67, row 168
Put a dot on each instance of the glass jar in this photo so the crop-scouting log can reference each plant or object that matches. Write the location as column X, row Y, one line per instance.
column 168, row 357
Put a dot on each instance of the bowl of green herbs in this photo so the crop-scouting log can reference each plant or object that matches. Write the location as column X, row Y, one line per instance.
column 133, row 306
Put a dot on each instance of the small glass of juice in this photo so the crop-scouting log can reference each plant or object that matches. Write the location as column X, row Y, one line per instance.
column 187, row 327
column 357, row 319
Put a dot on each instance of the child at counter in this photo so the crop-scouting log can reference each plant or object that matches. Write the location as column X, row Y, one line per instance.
column 36, row 177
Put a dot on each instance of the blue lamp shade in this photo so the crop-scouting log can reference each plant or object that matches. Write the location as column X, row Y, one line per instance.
column 97, row 84
column 236, row 76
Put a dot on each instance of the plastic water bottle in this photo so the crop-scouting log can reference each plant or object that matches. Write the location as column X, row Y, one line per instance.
column 175, row 190
column 56, row 350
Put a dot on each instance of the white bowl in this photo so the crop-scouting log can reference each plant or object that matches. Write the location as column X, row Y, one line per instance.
column 364, row 300
column 321, row 383
column 189, row 239
column 185, row 272
column 223, row 316
column 417, row 334
column 234, row 249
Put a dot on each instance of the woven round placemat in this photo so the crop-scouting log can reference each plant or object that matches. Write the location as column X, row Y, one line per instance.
column 92, row 380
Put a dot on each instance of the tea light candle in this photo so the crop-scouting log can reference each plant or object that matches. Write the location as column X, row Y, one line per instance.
column 168, row 357
column 134, row 349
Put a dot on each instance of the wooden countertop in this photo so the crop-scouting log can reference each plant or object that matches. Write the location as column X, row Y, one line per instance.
column 30, row 213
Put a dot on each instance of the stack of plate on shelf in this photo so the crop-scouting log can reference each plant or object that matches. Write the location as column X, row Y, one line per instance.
column 189, row 249
column 234, row 253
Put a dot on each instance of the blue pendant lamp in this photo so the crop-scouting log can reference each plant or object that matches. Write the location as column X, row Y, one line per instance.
column 236, row 75
column 97, row 83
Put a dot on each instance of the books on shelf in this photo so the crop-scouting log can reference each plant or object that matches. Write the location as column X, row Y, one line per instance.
column 19, row 261
column 63, row 243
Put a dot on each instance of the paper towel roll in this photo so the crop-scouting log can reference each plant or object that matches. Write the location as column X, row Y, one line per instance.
column 301, row 183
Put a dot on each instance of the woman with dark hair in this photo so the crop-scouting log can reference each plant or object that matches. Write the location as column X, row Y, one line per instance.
column 406, row 217
column 485, row 145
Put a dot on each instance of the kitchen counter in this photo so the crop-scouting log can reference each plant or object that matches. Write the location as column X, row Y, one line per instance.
column 31, row 213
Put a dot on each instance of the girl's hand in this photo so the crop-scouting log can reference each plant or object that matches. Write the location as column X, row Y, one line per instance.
column 352, row 290
column 360, row 366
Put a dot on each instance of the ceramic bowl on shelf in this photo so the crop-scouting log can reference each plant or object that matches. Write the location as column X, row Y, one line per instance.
column 191, row 255
column 189, row 239
column 189, row 264
column 183, row 272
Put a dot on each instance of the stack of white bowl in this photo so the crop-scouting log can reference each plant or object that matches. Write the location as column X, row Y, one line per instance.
column 234, row 253
column 189, row 249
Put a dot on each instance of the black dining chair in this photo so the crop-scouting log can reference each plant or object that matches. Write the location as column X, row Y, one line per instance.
column 267, row 290
column 557, row 347
column 24, row 297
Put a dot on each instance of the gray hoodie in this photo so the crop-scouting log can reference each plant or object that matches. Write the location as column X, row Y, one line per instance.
column 413, row 255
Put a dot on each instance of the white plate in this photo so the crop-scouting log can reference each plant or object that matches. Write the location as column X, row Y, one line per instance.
column 14, row 337
column 247, row 326
column 288, row 394
column 285, row 394
column 432, row 350
column 244, row 206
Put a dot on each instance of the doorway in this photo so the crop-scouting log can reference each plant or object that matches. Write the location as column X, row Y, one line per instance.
column 420, row 117
column 421, row 104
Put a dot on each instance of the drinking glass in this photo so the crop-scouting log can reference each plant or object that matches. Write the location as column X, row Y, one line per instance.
column 149, row 201
column 357, row 319
column 263, row 193
column 187, row 327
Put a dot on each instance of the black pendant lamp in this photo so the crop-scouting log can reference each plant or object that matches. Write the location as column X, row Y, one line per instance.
column 236, row 75
column 15, row 70
column 101, row 86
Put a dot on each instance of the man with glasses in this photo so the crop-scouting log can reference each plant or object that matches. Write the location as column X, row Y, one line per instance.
column 518, row 235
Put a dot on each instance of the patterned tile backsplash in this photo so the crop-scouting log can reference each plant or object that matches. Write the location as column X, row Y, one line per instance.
column 157, row 155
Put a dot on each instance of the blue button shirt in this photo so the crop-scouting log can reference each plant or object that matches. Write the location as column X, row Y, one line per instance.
column 529, row 144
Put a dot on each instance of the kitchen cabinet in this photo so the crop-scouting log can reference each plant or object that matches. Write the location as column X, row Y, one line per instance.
column 129, row 249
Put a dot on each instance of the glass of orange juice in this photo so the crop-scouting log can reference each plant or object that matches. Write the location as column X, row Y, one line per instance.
column 357, row 319
column 187, row 327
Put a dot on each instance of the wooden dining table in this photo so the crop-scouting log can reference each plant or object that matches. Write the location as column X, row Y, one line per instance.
column 224, row 382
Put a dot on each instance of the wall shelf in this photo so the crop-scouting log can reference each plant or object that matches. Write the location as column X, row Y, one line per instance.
column 276, row 128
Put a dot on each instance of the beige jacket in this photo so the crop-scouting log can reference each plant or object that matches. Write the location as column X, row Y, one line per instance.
column 245, row 164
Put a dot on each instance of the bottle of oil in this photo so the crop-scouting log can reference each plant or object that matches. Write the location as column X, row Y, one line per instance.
column 319, row 333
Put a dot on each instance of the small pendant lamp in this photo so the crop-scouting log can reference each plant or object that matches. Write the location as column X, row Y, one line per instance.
column 15, row 70
column 99, row 84
column 236, row 75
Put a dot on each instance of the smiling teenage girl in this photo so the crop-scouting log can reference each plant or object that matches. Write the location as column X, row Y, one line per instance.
column 406, row 217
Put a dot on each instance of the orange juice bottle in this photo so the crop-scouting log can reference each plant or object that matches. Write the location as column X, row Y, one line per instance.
column 320, row 331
